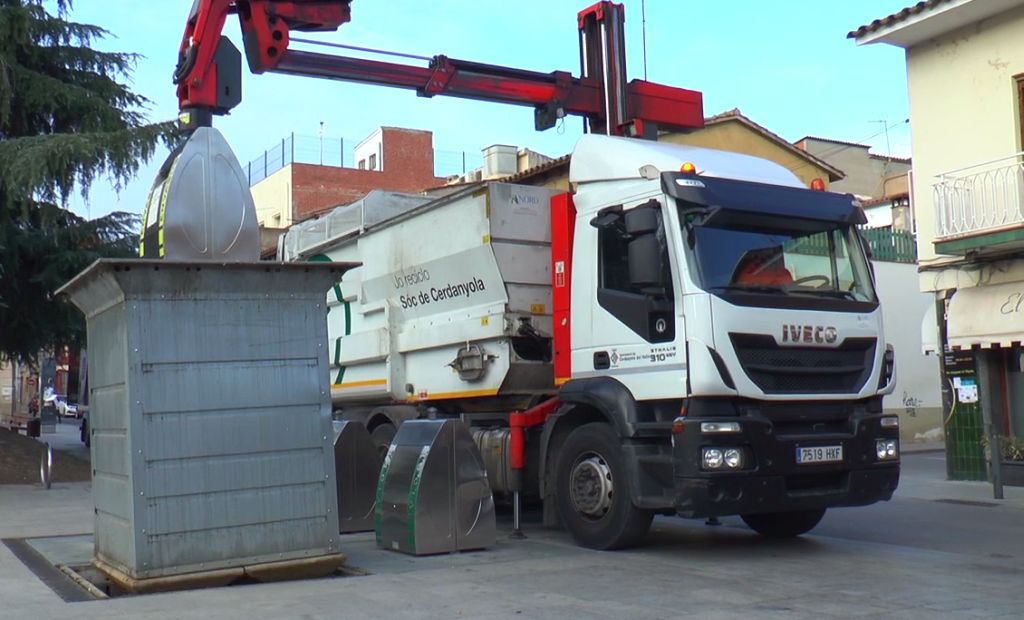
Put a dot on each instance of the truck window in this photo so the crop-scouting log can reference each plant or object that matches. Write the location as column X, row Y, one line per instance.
column 788, row 261
column 613, row 260
column 649, row 310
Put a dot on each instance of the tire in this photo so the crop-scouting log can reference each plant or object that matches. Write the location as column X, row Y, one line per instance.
column 784, row 524
column 382, row 434
column 600, row 513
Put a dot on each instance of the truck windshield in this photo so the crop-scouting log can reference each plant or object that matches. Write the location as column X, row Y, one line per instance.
column 797, row 258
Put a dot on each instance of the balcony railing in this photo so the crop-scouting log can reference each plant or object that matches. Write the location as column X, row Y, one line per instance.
column 980, row 198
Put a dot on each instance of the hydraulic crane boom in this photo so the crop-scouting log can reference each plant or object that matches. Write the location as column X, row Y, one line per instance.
column 208, row 75
column 200, row 206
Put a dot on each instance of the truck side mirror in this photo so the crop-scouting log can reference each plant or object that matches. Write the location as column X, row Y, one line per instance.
column 645, row 262
column 607, row 218
column 646, row 249
column 644, row 219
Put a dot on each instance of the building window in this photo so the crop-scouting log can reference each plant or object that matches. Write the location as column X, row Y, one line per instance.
column 373, row 161
column 362, row 164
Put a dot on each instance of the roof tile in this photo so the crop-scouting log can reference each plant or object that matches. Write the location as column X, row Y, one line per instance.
column 895, row 18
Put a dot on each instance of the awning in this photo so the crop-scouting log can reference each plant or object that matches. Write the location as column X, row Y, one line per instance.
column 929, row 331
column 986, row 316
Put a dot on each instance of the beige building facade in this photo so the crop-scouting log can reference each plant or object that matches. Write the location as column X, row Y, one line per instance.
column 965, row 79
column 732, row 131
column 867, row 175
column 965, row 63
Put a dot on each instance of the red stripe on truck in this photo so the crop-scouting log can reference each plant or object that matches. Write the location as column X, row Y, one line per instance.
column 563, row 219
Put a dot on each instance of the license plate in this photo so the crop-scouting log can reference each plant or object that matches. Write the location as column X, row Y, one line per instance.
column 819, row 454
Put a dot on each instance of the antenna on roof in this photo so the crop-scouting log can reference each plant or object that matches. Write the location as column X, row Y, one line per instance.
column 885, row 124
column 643, row 29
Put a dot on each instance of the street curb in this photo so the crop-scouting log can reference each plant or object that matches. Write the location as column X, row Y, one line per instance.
column 924, row 451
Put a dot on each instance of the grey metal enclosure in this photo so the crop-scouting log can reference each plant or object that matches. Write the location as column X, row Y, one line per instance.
column 210, row 415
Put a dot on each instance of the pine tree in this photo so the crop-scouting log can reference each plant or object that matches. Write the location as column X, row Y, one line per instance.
column 67, row 117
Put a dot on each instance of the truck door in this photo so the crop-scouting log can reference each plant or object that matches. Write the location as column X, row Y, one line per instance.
column 636, row 333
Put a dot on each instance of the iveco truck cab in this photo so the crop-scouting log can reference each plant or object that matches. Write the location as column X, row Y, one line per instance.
column 714, row 290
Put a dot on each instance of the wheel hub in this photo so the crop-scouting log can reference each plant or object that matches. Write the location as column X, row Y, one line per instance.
column 590, row 486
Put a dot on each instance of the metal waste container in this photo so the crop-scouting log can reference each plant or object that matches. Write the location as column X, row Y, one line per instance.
column 433, row 495
column 357, row 467
column 210, row 406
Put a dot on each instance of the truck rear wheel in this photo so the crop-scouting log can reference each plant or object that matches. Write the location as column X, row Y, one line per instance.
column 592, row 490
column 784, row 524
column 382, row 434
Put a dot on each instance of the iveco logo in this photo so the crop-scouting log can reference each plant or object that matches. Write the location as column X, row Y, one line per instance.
column 809, row 333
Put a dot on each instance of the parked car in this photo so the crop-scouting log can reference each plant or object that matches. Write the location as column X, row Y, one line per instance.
column 64, row 408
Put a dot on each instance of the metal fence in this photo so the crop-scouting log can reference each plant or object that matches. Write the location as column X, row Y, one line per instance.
column 340, row 153
column 888, row 245
column 894, row 246
column 980, row 197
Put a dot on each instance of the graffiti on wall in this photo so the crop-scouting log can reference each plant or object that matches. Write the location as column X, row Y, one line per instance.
column 911, row 404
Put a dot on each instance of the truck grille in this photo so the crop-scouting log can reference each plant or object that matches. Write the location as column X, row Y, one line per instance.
column 804, row 370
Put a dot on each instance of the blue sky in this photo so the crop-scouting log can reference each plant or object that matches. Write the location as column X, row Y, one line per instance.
column 786, row 64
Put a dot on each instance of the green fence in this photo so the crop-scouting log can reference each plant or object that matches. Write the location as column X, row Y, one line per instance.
column 965, row 455
column 894, row 246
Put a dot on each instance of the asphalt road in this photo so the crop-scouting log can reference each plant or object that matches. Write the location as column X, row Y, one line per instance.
column 978, row 527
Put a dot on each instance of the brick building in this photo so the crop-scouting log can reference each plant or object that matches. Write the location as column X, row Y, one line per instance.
column 391, row 158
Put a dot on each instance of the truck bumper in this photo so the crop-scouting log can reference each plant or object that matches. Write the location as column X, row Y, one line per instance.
column 771, row 479
column 701, row 497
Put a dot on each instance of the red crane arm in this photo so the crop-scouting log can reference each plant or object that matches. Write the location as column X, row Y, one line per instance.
column 548, row 92
column 208, row 75
column 209, row 81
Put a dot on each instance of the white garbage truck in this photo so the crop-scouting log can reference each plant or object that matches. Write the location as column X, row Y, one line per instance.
column 688, row 332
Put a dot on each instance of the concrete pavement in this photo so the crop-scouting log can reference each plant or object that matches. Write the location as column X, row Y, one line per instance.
column 686, row 568
column 67, row 438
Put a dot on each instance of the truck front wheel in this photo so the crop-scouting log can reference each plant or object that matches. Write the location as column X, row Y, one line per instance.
column 593, row 491
column 784, row 524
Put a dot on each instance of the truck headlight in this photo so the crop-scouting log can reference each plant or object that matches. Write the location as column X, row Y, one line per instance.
column 887, row 449
column 733, row 458
column 722, row 458
column 712, row 458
